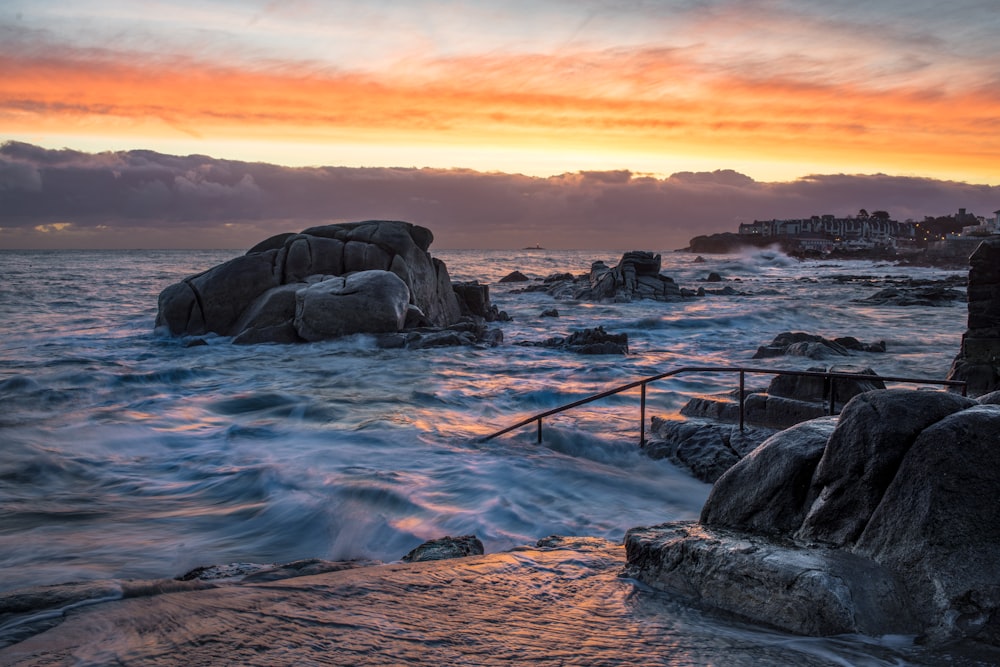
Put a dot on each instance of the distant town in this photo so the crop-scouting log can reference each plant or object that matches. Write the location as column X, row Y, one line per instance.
column 875, row 233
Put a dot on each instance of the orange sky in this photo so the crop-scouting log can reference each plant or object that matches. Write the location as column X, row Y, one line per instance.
column 765, row 88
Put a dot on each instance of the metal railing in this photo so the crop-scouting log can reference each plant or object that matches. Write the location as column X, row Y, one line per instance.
column 827, row 376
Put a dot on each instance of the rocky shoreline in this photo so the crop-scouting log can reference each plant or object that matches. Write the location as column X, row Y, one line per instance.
column 883, row 520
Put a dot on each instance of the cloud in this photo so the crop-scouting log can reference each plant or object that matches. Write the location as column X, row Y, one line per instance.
column 147, row 199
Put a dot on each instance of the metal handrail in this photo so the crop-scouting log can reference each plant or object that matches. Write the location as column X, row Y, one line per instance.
column 827, row 376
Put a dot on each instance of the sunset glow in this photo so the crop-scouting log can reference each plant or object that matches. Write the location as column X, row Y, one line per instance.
column 765, row 86
column 772, row 89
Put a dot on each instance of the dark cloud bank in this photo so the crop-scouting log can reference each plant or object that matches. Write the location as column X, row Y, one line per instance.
column 142, row 199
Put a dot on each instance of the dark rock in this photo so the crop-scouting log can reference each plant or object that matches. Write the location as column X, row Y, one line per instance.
column 515, row 277
column 769, row 491
column 939, row 522
column 875, row 432
column 224, row 299
column 788, row 399
column 706, row 450
column 815, row 388
column 978, row 361
column 271, row 318
column 811, row 591
column 899, row 529
column 444, row 548
column 550, row 312
column 637, row 276
column 474, row 300
column 713, row 277
column 587, row 341
column 812, row 346
column 596, row 341
column 362, row 302
column 921, row 296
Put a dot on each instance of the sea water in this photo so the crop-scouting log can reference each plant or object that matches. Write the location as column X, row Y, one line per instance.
column 127, row 454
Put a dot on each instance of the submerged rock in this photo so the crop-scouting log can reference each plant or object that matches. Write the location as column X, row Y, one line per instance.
column 885, row 521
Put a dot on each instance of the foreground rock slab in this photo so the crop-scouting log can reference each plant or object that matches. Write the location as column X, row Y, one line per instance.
column 561, row 602
column 884, row 521
column 812, row 591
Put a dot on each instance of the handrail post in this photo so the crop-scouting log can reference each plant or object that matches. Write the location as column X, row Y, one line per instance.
column 642, row 415
column 539, row 430
column 742, row 385
column 833, row 405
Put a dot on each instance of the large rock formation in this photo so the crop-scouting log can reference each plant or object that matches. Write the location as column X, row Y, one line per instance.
column 887, row 522
column 329, row 281
column 978, row 362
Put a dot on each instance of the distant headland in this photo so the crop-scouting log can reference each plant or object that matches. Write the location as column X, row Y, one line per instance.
column 936, row 240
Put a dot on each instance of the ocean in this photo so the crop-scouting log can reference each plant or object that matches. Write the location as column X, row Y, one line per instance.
column 127, row 455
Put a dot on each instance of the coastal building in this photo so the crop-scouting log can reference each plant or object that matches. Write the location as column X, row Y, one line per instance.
column 825, row 233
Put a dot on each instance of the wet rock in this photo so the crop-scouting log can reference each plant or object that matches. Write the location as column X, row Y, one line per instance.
column 474, row 300
column 549, row 312
column 920, row 296
column 939, row 523
column 787, row 400
column 636, row 276
column 515, row 277
column 894, row 530
column 225, row 300
column 713, row 277
column 444, row 548
column 467, row 331
column 362, row 302
column 810, row 591
column 780, row 472
column 812, row 346
column 706, row 450
column 587, row 341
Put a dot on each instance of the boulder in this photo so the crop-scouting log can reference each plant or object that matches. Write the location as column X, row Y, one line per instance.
column 445, row 548
column 363, row 302
column 224, row 299
column 875, row 432
column 769, row 492
column 270, row 319
column 884, row 521
column 515, row 277
column 939, row 522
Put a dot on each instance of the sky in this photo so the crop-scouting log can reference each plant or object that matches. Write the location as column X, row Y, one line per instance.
column 583, row 123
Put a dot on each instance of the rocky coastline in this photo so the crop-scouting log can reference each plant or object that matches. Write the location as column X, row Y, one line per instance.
column 882, row 520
